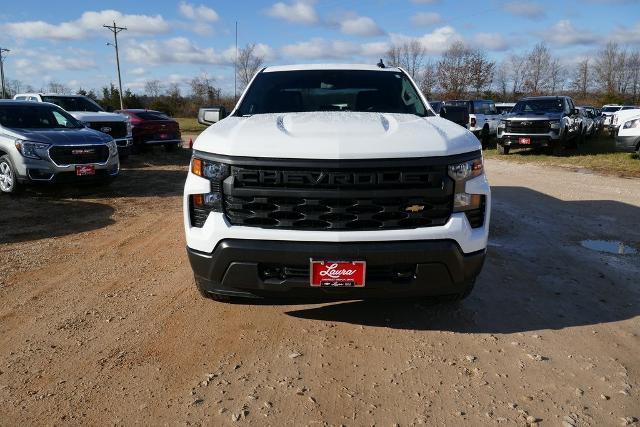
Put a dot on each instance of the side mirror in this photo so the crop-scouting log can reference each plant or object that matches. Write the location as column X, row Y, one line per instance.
column 211, row 115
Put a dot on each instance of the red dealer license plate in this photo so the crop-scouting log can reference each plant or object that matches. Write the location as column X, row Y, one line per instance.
column 85, row 170
column 524, row 141
column 338, row 274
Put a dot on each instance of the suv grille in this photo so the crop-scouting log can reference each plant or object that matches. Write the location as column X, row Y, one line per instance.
column 527, row 126
column 115, row 129
column 343, row 199
column 79, row 154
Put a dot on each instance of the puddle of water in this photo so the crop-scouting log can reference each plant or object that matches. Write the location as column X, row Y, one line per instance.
column 609, row 246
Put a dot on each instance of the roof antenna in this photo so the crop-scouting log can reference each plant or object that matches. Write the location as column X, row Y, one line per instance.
column 381, row 64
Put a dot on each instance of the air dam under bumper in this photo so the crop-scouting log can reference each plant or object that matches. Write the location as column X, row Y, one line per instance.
column 400, row 269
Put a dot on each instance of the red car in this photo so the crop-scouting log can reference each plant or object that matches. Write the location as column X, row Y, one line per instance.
column 153, row 128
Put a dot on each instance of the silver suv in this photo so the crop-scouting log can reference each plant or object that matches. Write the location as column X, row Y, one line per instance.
column 42, row 143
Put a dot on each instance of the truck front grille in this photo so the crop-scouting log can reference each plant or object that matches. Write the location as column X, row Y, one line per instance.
column 338, row 200
column 79, row 154
column 527, row 126
column 115, row 129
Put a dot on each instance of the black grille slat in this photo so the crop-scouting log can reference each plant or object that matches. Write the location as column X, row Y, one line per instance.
column 527, row 126
column 116, row 129
column 79, row 154
column 351, row 205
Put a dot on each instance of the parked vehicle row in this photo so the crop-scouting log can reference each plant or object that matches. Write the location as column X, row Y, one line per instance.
column 42, row 142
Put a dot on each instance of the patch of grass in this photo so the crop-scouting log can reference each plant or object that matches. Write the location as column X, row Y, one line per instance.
column 597, row 154
column 190, row 125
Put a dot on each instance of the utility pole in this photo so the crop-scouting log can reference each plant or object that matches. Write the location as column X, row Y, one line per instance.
column 235, row 69
column 2, row 51
column 115, row 30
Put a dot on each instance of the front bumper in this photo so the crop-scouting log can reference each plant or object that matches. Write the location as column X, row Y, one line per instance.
column 44, row 171
column 403, row 269
column 537, row 140
column 627, row 143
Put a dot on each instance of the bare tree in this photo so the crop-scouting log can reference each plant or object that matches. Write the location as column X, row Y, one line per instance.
column 582, row 78
column 453, row 70
column 249, row 62
column 203, row 90
column 538, row 65
column 606, row 68
column 502, row 79
column 633, row 64
column 428, row 79
column 481, row 71
column 557, row 76
column 409, row 55
column 517, row 74
column 58, row 88
column 153, row 88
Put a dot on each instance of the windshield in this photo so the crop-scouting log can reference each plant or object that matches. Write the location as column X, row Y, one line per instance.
column 73, row 103
column 611, row 109
column 35, row 116
column 539, row 106
column 332, row 90
column 152, row 115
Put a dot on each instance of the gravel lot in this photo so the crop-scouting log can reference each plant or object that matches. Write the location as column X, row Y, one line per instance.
column 100, row 322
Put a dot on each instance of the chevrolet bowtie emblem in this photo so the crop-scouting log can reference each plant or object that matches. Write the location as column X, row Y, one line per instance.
column 414, row 208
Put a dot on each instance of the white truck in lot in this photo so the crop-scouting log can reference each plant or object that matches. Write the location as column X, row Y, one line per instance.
column 620, row 117
column 483, row 117
column 628, row 136
column 335, row 181
column 91, row 114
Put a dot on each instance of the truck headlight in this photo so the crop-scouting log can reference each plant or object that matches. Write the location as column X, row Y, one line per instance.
column 113, row 148
column 502, row 124
column 471, row 204
column 632, row 124
column 129, row 128
column 200, row 205
column 554, row 124
column 32, row 150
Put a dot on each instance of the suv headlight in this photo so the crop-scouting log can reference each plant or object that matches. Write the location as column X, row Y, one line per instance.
column 554, row 124
column 632, row 124
column 32, row 150
column 201, row 204
column 461, row 173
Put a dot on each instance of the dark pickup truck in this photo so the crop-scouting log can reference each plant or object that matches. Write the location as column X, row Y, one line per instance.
column 542, row 121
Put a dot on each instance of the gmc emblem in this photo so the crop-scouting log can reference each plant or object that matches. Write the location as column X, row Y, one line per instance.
column 105, row 129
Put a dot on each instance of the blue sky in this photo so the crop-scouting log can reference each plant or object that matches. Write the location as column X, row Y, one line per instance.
column 173, row 40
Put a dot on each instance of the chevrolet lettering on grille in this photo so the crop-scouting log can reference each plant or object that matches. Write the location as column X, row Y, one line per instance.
column 83, row 151
column 324, row 178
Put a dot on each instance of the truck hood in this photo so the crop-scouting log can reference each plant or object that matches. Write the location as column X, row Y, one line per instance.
column 100, row 116
column 62, row 136
column 530, row 116
column 336, row 135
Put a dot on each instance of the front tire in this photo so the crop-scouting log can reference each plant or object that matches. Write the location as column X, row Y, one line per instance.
column 8, row 178
column 503, row 149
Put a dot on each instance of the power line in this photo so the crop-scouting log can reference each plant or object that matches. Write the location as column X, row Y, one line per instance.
column 2, row 51
column 115, row 30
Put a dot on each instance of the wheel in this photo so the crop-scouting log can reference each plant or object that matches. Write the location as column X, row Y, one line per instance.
column 453, row 298
column 171, row 147
column 503, row 149
column 558, row 148
column 8, row 180
column 209, row 295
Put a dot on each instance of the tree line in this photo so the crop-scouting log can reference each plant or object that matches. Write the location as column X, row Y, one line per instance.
column 612, row 75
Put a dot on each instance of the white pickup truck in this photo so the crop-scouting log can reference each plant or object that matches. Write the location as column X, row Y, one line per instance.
column 84, row 109
column 335, row 181
column 483, row 118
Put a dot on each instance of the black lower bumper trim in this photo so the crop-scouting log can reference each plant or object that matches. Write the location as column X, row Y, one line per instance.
column 236, row 267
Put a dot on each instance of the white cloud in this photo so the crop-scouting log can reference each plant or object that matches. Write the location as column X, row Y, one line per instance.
column 435, row 42
column 490, row 41
column 198, row 13
column 627, row 35
column 138, row 72
column 299, row 12
column 360, row 26
column 425, row 19
column 89, row 24
column 526, row 9
column 319, row 48
column 32, row 62
column 178, row 50
column 564, row 33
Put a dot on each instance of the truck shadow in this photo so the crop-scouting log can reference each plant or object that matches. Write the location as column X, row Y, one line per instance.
column 536, row 276
column 32, row 218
